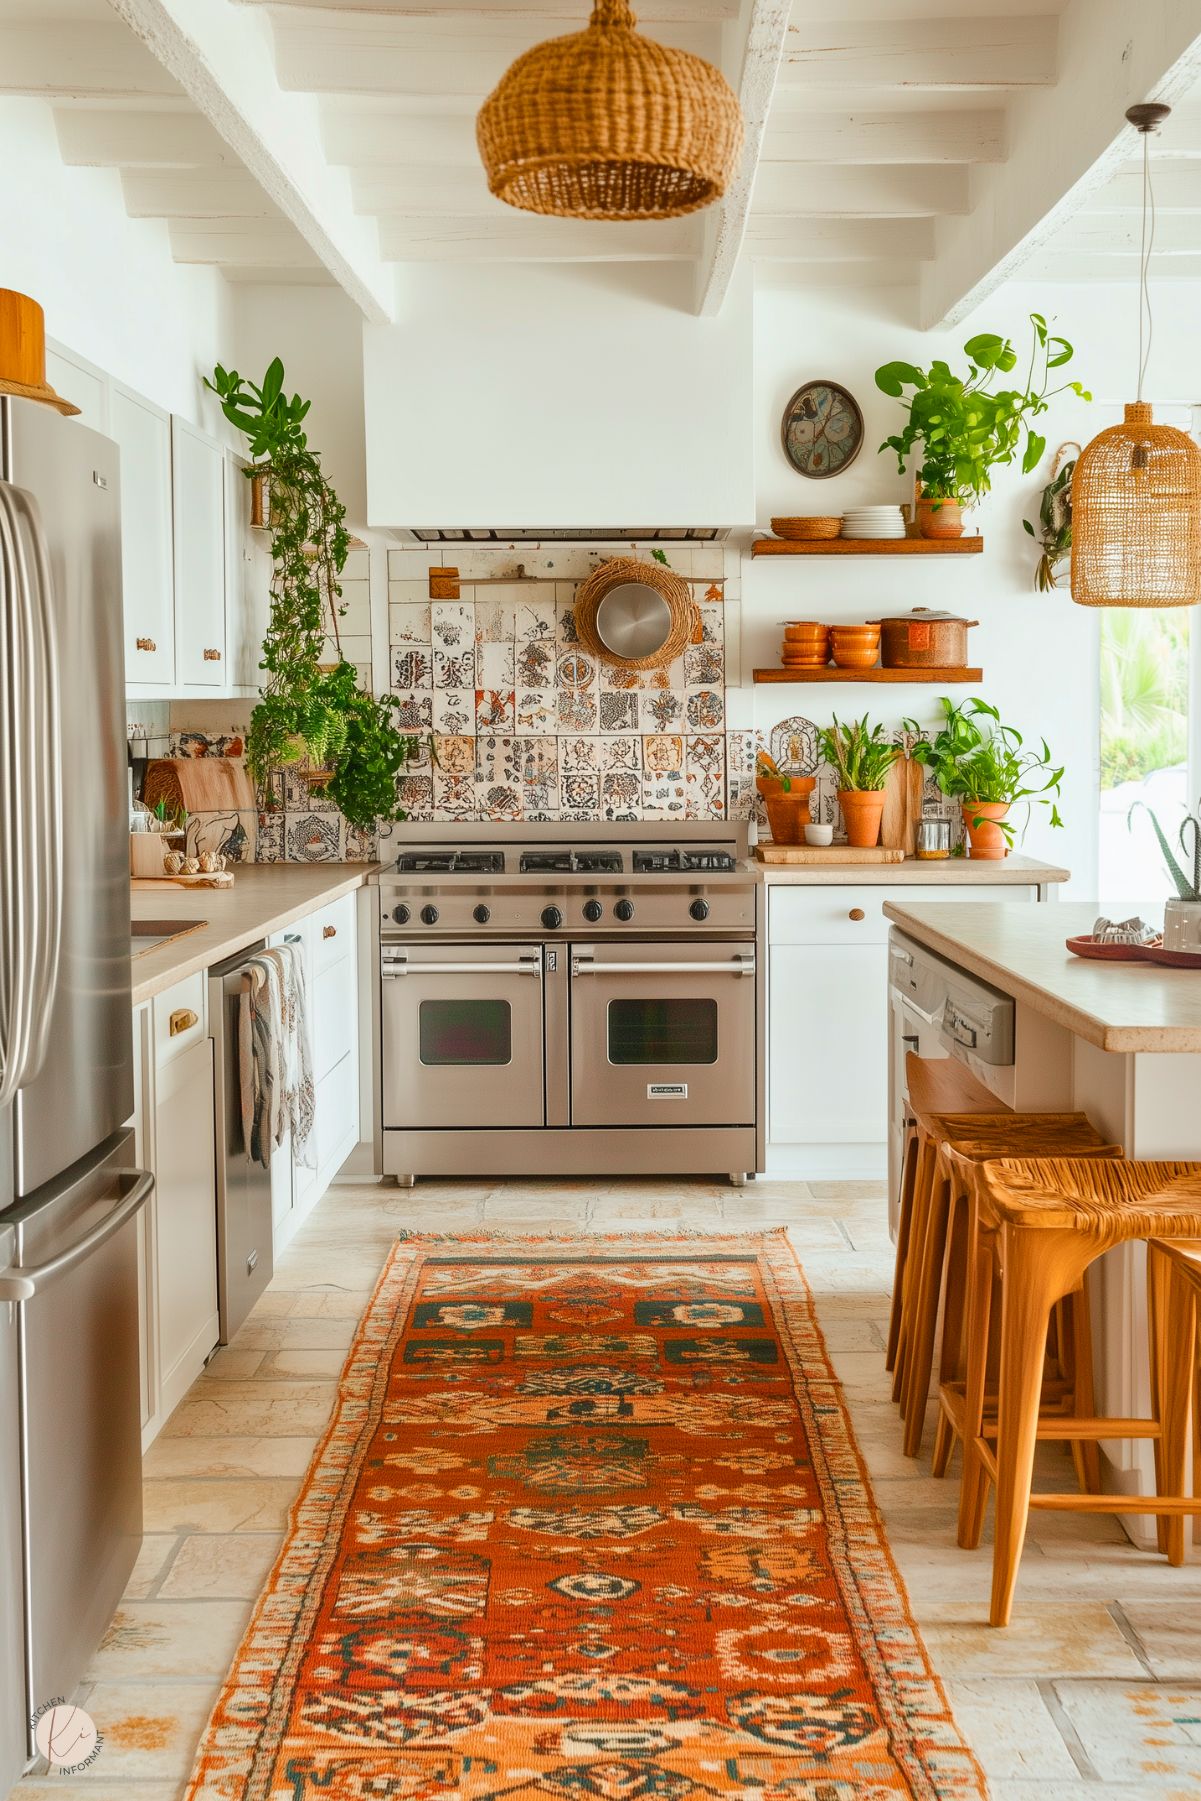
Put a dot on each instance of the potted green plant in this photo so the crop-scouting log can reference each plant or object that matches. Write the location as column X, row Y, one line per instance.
column 310, row 713
column 986, row 765
column 1182, row 916
column 786, row 798
column 966, row 426
column 861, row 757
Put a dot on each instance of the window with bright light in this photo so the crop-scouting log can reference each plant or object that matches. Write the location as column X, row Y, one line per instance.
column 1145, row 663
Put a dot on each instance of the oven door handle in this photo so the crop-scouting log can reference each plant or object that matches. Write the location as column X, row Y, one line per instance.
column 737, row 966
column 400, row 966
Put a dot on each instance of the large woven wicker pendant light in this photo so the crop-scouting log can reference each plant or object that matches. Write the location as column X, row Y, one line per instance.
column 1136, row 489
column 607, row 124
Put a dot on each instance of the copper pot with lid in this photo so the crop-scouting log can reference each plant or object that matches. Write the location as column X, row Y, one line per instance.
column 924, row 639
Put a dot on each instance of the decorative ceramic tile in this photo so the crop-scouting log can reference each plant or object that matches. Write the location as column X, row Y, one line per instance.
column 415, row 711
column 452, row 624
column 408, row 624
column 565, row 632
column 541, row 800
column 575, row 669
column 793, row 745
column 454, row 711
column 703, row 666
column 495, row 664
column 455, row 668
column 455, row 755
column 498, row 800
column 494, row 709
column 664, row 675
column 497, row 761
column 299, row 797
column 535, row 710
column 663, row 755
column 359, row 846
column 207, row 744
column 618, row 712
column 664, row 796
column 579, row 755
column 660, row 710
column 454, row 796
column 713, row 622
column 705, row 711
column 494, row 620
column 621, row 794
column 537, row 758
column 535, row 620
column 581, row 792
column 415, row 793
column 314, row 837
column 535, row 663
column 621, row 753
column 705, row 762
column 741, row 750
column 615, row 678
column 271, row 847
column 577, row 710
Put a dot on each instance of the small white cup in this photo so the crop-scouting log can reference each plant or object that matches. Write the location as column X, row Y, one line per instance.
column 819, row 834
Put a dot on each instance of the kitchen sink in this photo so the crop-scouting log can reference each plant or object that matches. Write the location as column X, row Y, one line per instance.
column 147, row 934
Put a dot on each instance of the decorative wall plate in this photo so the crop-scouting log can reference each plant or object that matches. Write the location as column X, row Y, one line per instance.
column 822, row 430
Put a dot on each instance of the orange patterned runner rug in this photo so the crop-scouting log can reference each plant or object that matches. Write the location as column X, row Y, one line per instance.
column 588, row 1524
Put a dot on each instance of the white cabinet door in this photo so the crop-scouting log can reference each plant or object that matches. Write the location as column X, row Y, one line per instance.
column 80, row 382
column 143, row 435
column 247, row 580
column 827, row 1055
column 185, row 1220
column 198, row 491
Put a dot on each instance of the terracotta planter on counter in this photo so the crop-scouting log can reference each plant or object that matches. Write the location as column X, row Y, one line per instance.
column 787, row 808
column 862, row 812
column 939, row 518
column 986, row 839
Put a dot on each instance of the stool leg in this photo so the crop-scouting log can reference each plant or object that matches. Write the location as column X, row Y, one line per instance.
column 904, row 1223
column 923, row 1177
column 1039, row 1267
column 950, row 1362
column 1159, row 1324
column 1084, row 1403
column 1178, row 1359
column 920, row 1357
column 973, row 1484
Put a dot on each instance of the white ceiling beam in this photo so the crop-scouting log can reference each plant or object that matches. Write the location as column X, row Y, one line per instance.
column 260, row 243
column 532, row 240
column 1053, row 265
column 788, row 274
column 193, row 194
column 840, row 240
column 377, row 139
column 416, row 192
column 1177, row 188
column 896, row 190
column 967, row 55
column 1064, row 145
column 763, row 33
column 80, row 60
column 571, row 13
column 106, row 137
column 871, row 137
column 221, row 57
column 1100, row 234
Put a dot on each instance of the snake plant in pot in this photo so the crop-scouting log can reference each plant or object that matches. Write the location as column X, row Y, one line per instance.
column 1182, row 916
column 861, row 757
column 987, row 766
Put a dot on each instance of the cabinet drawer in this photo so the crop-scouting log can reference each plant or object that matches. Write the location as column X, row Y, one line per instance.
column 334, row 1014
column 332, row 932
column 337, row 1118
column 855, row 915
column 179, row 1018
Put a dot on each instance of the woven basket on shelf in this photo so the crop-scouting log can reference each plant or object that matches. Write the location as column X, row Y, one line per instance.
column 685, row 614
column 607, row 124
column 1136, row 516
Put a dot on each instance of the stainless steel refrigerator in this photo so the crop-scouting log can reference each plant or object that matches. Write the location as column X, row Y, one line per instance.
column 70, row 1440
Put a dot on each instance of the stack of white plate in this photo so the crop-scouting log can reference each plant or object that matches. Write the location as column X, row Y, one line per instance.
column 873, row 522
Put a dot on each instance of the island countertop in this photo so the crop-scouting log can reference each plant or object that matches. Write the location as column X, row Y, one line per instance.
column 265, row 898
column 1014, row 871
column 1020, row 949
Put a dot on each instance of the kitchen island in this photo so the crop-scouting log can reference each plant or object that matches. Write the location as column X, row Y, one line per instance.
column 1118, row 1041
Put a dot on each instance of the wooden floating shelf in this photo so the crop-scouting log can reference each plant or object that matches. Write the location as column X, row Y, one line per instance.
column 867, row 547
column 830, row 673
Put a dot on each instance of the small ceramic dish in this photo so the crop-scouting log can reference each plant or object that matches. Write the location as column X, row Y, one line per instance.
column 819, row 835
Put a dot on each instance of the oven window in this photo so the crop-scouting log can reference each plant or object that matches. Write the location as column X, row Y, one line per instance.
column 666, row 1031
column 465, row 1031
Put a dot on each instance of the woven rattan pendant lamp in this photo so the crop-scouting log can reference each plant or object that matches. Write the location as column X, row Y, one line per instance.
column 1136, row 489
column 607, row 124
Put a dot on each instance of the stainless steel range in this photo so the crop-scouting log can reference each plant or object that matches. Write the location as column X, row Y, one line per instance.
column 570, row 1000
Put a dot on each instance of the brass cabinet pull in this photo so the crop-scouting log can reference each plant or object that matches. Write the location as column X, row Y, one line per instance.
column 182, row 1020
column 145, row 644
column 212, row 656
column 856, row 913
column 329, row 932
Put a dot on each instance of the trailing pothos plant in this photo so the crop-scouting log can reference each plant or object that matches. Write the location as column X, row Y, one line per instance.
column 964, row 424
column 309, row 709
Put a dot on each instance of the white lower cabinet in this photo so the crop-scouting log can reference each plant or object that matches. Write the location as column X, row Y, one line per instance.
column 827, row 1023
column 186, row 1222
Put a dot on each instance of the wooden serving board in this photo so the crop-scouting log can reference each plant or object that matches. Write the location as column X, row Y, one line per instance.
column 147, row 884
column 829, row 854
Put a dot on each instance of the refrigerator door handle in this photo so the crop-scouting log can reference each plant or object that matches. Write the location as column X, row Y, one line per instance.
column 24, row 1284
column 14, row 899
column 41, row 869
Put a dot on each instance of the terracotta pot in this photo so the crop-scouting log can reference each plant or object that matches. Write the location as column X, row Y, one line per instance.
column 787, row 810
column 939, row 518
column 862, row 812
column 987, row 840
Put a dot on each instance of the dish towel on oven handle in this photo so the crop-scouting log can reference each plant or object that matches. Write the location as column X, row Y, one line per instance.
column 275, row 1065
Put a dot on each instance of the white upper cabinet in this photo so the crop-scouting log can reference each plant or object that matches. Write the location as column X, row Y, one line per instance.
column 198, row 491
column 143, row 434
column 247, row 580
column 82, row 384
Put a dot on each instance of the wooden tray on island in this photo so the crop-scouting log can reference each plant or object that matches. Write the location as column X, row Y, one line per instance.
column 783, row 855
column 1133, row 953
column 148, row 884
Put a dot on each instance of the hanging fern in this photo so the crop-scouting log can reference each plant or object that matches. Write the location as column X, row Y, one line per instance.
column 309, row 710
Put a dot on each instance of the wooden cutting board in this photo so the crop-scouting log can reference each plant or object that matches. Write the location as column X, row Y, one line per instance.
column 217, row 794
column 830, row 854
column 902, row 805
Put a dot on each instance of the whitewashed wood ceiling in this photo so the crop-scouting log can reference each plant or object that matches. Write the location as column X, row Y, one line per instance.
column 943, row 142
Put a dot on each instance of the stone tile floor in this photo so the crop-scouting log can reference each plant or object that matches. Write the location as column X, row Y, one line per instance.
column 1093, row 1694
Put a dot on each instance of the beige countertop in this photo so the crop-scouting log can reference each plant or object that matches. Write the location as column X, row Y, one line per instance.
column 1020, row 950
column 265, row 898
column 953, row 872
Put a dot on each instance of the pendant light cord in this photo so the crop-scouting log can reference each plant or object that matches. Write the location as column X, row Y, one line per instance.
column 1146, row 322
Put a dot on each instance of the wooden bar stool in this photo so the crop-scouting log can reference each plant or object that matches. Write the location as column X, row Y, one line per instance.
column 949, row 1145
column 1174, row 1306
column 1040, row 1223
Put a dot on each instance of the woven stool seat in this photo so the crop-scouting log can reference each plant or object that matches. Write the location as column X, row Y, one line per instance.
column 1128, row 1200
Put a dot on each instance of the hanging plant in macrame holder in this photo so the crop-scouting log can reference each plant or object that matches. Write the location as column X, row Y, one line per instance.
column 1054, row 531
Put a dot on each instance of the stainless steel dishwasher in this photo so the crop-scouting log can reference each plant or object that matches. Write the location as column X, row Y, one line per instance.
column 244, row 1259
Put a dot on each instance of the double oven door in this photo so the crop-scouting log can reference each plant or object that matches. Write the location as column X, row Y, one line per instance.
column 623, row 1034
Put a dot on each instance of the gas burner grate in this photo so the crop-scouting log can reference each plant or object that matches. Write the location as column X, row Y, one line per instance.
column 571, row 862
column 669, row 862
column 452, row 862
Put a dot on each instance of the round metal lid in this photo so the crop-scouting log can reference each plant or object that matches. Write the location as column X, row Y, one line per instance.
column 633, row 620
column 923, row 616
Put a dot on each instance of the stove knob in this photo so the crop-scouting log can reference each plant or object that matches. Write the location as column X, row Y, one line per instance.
column 429, row 916
column 699, row 909
column 401, row 915
column 481, row 914
column 552, row 919
column 624, row 910
column 593, row 911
